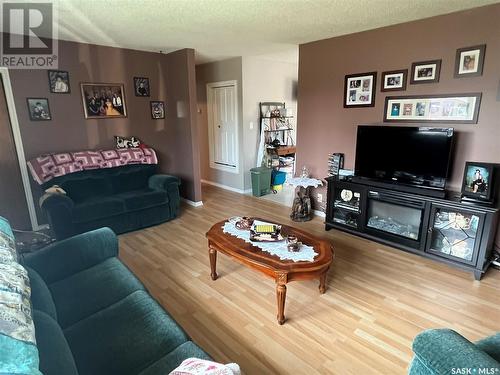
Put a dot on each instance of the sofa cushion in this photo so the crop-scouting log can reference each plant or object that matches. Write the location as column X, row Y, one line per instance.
column 145, row 198
column 491, row 346
column 124, row 338
column 129, row 180
column 91, row 290
column 82, row 189
column 173, row 359
column 55, row 354
column 97, row 208
column 41, row 298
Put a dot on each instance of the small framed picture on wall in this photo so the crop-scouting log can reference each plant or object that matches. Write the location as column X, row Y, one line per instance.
column 359, row 90
column 157, row 110
column 38, row 109
column 59, row 82
column 141, row 86
column 425, row 71
column 469, row 61
column 394, row 80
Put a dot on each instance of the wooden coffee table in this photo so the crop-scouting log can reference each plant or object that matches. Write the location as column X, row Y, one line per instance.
column 282, row 271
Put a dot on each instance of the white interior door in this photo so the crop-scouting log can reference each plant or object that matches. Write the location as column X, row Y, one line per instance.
column 223, row 125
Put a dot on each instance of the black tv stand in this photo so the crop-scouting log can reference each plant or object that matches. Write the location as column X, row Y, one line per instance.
column 437, row 193
column 458, row 233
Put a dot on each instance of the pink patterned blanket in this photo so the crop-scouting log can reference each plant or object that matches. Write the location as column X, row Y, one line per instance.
column 46, row 167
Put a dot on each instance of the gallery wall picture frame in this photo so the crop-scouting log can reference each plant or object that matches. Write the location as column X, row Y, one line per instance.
column 103, row 100
column 394, row 80
column 469, row 61
column 39, row 109
column 478, row 180
column 359, row 90
column 445, row 108
column 157, row 110
column 425, row 72
column 141, row 86
column 59, row 82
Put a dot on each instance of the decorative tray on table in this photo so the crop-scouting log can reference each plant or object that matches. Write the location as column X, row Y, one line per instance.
column 265, row 232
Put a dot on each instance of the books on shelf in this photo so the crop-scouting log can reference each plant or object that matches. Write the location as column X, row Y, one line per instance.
column 335, row 163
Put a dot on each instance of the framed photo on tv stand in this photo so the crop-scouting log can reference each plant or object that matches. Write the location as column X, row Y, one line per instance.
column 478, row 182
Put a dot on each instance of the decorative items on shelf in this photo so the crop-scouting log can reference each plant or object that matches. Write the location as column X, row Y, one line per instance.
column 425, row 71
column 446, row 108
column 359, row 90
column 335, row 163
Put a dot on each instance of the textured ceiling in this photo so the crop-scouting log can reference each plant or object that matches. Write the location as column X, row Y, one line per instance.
column 219, row 29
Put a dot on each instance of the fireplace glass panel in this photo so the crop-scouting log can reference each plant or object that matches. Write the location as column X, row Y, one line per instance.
column 392, row 218
column 454, row 233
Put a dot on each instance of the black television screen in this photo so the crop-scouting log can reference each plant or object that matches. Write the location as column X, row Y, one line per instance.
column 418, row 156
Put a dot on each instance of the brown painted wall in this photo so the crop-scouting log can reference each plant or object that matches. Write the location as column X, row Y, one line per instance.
column 325, row 126
column 172, row 79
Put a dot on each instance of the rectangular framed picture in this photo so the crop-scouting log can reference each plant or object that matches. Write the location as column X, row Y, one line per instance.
column 38, row 109
column 157, row 110
column 359, row 90
column 469, row 61
column 394, row 80
column 103, row 100
column 59, row 82
column 141, row 86
column 447, row 108
column 478, row 180
column 425, row 71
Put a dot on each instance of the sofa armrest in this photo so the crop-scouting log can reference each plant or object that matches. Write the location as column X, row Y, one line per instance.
column 59, row 211
column 170, row 184
column 441, row 350
column 72, row 255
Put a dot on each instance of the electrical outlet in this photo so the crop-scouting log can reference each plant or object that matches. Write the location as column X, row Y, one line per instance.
column 320, row 197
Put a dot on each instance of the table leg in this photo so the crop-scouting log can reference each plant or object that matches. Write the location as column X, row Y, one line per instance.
column 212, row 253
column 322, row 282
column 281, row 297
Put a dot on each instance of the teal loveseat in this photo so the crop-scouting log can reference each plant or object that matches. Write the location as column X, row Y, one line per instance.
column 122, row 198
column 445, row 352
column 92, row 316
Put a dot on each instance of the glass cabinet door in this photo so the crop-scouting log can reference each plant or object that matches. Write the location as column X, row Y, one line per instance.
column 453, row 234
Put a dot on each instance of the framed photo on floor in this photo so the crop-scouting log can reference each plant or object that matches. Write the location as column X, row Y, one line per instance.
column 103, row 100
column 38, row 109
column 447, row 108
column 425, row 71
column 359, row 90
column 394, row 80
column 469, row 61
column 157, row 110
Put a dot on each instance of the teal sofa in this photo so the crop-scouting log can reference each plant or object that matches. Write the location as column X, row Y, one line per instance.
column 445, row 352
column 122, row 198
column 92, row 316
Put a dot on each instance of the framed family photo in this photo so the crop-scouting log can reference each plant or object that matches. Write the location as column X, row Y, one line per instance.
column 425, row 71
column 394, row 80
column 103, row 100
column 469, row 61
column 157, row 110
column 38, row 109
column 141, row 86
column 359, row 90
column 59, row 82
column 478, row 180
column 447, row 108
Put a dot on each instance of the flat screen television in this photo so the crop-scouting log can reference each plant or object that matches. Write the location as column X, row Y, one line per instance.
column 415, row 156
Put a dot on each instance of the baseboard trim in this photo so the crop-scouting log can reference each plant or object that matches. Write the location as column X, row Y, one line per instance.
column 193, row 203
column 319, row 213
column 225, row 187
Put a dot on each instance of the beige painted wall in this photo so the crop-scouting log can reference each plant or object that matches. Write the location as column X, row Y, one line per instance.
column 264, row 80
column 225, row 70
column 259, row 79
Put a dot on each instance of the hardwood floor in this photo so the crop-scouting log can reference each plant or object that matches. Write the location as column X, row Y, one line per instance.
column 378, row 298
